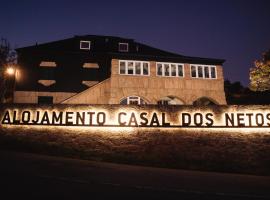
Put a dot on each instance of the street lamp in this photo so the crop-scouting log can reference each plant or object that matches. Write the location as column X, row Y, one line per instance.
column 10, row 71
column 7, row 85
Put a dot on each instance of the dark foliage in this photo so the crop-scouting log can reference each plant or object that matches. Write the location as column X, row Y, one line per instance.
column 236, row 94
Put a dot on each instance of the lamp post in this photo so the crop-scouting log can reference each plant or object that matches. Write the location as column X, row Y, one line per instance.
column 8, row 84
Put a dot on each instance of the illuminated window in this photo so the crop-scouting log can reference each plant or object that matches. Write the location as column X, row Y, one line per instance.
column 130, row 67
column 132, row 100
column 85, row 45
column 203, row 71
column 170, row 69
column 123, row 47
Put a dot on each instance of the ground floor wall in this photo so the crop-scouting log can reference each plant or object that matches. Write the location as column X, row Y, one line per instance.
column 32, row 96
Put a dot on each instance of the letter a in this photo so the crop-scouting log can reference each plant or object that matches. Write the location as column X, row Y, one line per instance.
column 6, row 118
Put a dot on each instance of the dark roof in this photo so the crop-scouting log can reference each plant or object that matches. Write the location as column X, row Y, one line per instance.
column 107, row 45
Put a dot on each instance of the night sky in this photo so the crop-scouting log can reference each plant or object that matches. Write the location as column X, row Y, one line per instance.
column 236, row 30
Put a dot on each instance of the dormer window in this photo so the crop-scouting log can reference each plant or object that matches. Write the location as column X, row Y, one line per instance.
column 85, row 45
column 123, row 47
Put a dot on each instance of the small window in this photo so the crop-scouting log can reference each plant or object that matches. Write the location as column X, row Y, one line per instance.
column 200, row 71
column 138, row 68
column 206, row 72
column 167, row 70
column 130, row 68
column 122, row 67
column 123, row 47
column 145, row 68
column 180, row 71
column 213, row 72
column 193, row 71
column 45, row 100
column 173, row 70
column 85, row 45
column 132, row 100
column 159, row 69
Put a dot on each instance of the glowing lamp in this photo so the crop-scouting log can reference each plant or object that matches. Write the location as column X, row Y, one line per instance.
column 10, row 71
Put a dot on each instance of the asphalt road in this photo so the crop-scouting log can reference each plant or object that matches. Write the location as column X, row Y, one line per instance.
column 31, row 176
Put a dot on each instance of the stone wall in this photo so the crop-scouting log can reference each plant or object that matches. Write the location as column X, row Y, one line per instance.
column 32, row 96
column 98, row 94
column 153, row 88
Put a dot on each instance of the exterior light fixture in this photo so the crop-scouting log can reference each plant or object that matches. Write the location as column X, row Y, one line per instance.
column 10, row 71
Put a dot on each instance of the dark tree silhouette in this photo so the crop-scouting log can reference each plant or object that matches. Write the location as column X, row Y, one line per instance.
column 7, row 57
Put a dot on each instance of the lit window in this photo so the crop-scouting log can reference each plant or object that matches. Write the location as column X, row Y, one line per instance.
column 123, row 47
column 85, row 45
column 133, row 67
column 132, row 100
column 170, row 69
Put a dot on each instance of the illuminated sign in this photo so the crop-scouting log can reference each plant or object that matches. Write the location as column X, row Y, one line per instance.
column 137, row 116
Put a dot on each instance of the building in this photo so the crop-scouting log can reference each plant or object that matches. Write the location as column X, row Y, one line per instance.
column 95, row 69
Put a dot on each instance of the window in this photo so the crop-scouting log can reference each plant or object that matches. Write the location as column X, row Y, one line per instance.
column 122, row 67
column 173, row 70
column 170, row 100
column 123, row 47
column 45, row 100
column 203, row 71
column 170, row 69
column 166, row 70
column 132, row 100
column 213, row 72
column 206, row 72
column 180, row 71
column 130, row 68
column 193, row 71
column 145, row 68
column 200, row 72
column 85, row 45
column 133, row 67
column 159, row 69
column 138, row 68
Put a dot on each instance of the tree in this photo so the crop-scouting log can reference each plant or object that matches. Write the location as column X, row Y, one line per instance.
column 260, row 74
column 7, row 57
